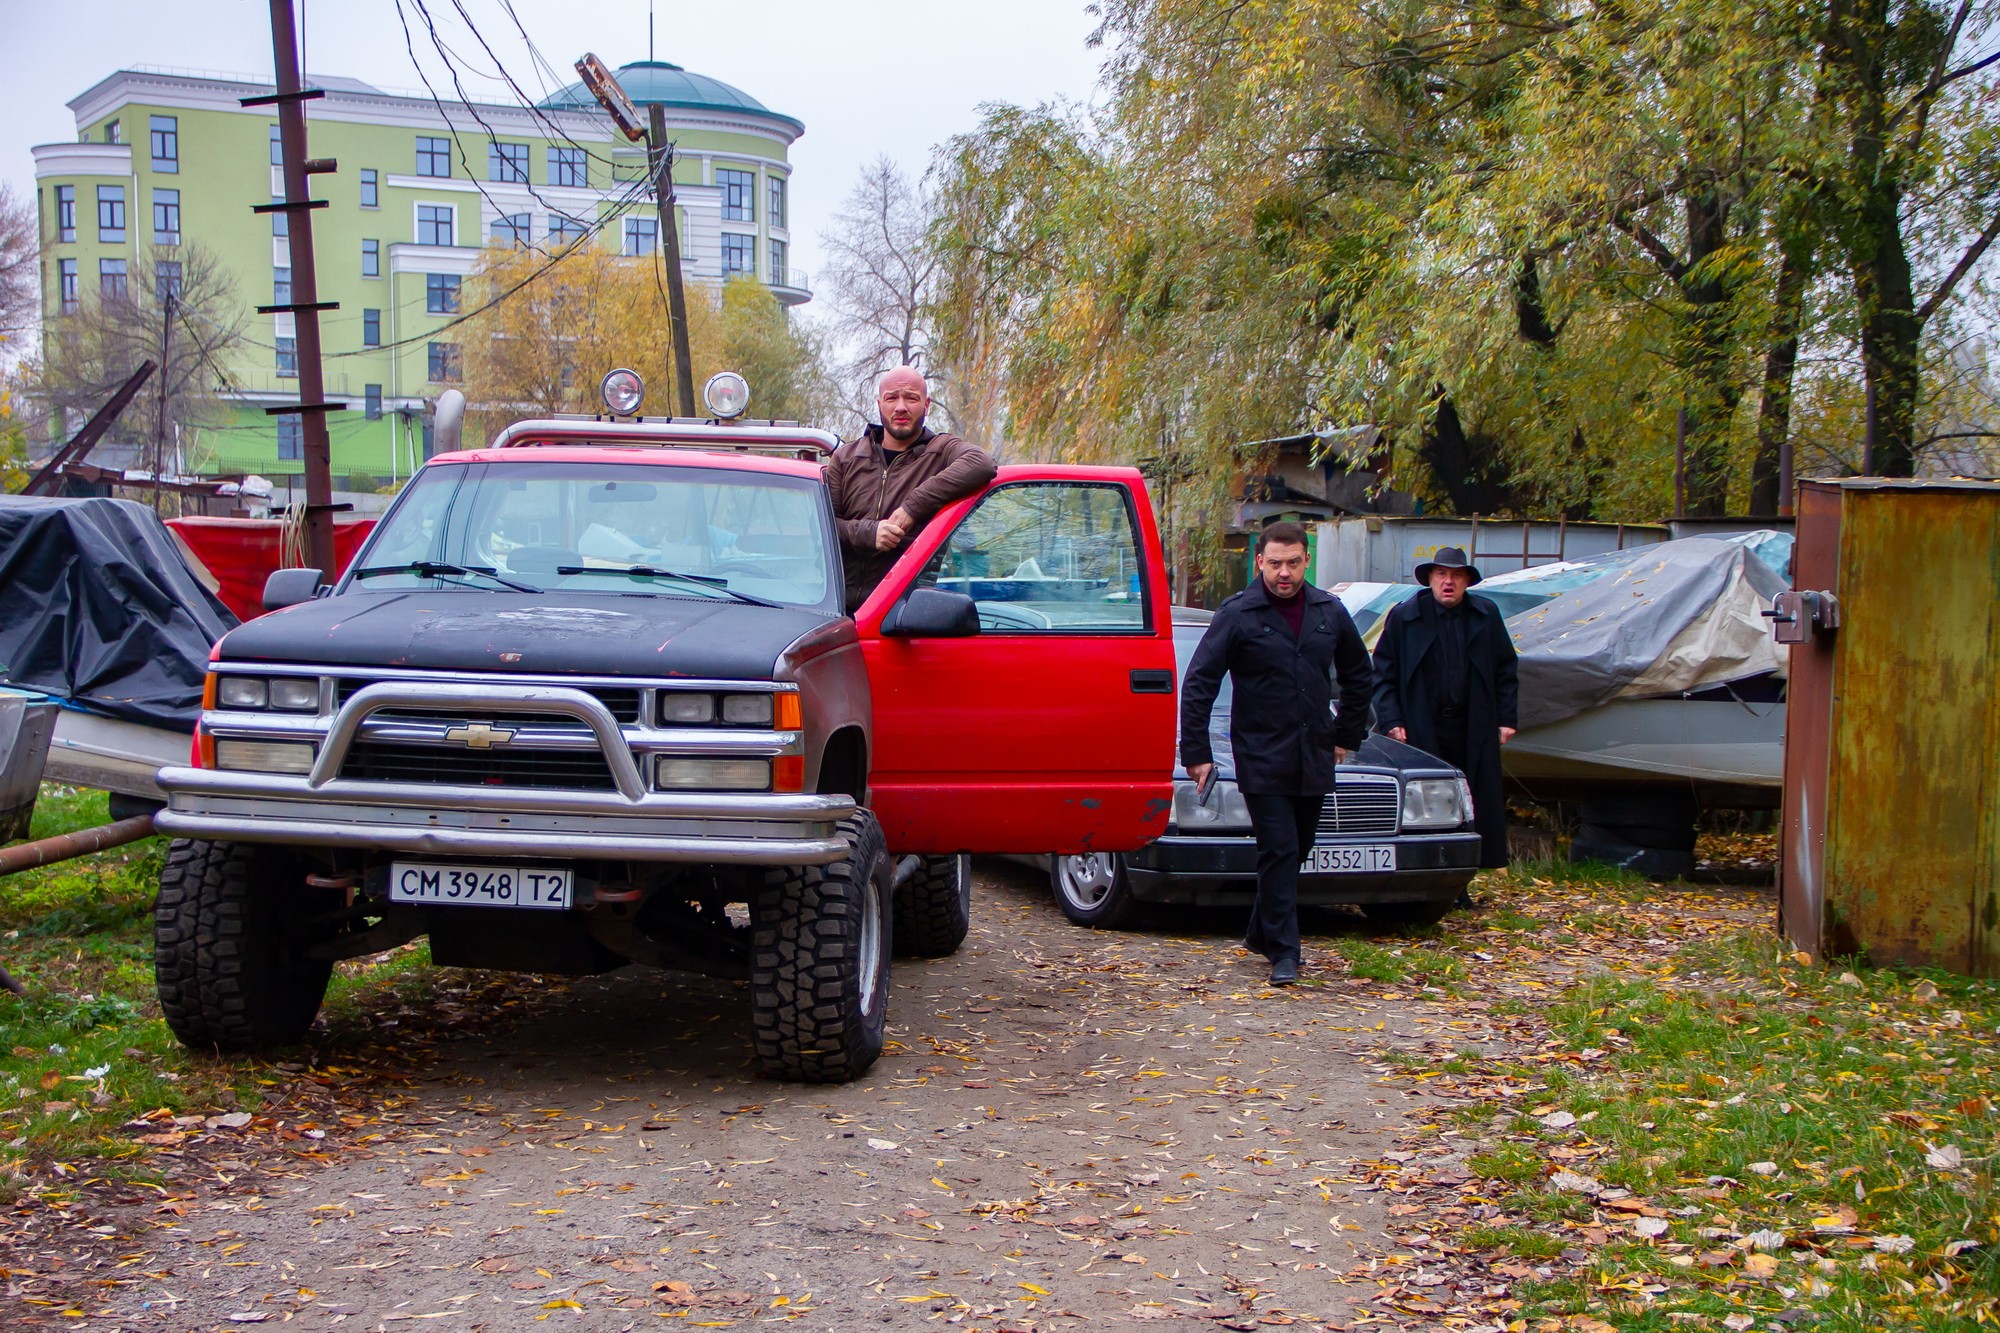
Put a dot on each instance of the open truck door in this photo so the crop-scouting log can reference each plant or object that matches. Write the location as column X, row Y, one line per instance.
column 1021, row 660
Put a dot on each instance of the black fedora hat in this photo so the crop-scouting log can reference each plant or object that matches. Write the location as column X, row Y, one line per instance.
column 1447, row 557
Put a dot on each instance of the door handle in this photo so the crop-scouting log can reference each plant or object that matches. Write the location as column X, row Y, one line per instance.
column 1152, row 680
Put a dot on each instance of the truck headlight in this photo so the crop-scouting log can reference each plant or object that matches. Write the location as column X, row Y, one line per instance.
column 1224, row 812
column 747, row 710
column 244, row 692
column 1436, row 803
column 264, row 756
column 674, row 773
column 298, row 694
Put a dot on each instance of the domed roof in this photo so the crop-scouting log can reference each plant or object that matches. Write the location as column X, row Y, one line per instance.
column 665, row 83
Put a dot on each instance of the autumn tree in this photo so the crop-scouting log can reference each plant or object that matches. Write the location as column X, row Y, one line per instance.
column 20, row 294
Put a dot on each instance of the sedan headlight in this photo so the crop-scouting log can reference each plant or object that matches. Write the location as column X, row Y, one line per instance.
column 1225, row 811
column 1436, row 803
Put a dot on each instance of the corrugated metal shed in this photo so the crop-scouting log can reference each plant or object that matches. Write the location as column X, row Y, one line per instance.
column 1891, row 841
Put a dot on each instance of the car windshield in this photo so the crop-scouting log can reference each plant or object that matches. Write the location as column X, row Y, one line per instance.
column 605, row 528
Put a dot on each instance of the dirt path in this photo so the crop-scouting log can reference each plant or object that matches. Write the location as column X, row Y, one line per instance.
column 1069, row 1126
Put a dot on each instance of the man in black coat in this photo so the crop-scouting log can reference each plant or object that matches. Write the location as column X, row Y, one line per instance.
column 1446, row 682
column 1284, row 641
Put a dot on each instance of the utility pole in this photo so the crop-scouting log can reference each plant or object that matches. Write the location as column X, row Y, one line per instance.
column 305, row 305
column 160, row 415
column 660, row 153
column 604, row 87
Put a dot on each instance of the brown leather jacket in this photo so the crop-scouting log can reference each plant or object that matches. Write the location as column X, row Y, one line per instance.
column 868, row 483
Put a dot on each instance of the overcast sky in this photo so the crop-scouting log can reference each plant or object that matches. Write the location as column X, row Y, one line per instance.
column 868, row 77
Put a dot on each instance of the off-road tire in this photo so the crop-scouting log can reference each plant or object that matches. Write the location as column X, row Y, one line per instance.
column 934, row 907
column 818, row 992
column 226, row 961
column 1408, row 915
column 1095, row 890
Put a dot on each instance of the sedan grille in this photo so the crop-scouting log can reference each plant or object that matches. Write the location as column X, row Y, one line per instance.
column 371, row 761
column 1362, row 807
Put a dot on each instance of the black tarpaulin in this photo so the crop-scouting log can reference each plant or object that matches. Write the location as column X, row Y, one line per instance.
column 98, row 607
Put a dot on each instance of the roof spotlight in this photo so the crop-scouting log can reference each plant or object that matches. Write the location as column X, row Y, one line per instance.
column 622, row 391
column 726, row 394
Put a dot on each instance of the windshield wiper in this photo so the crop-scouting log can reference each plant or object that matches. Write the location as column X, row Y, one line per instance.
column 435, row 569
column 651, row 572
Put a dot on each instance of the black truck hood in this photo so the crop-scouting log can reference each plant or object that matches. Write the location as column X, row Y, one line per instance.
column 519, row 632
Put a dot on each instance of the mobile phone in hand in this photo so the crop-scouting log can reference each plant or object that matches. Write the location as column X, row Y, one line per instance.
column 1205, row 787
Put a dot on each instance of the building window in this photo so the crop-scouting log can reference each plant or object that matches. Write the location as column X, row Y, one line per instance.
column 281, row 286
column 441, row 293
column 291, row 437
column 370, row 194
column 371, row 328
column 277, row 147
column 777, row 209
column 739, row 195
column 642, row 235
column 739, row 253
column 779, row 274
column 166, row 280
column 281, row 224
column 433, row 156
column 288, row 357
column 371, row 259
column 434, row 224
column 66, row 285
column 564, row 230
column 166, row 137
column 65, row 212
column 371, row 396
column 507, row 163
column 513, row 228
column 111, row 279
column 444, row 363
column 113, row 133
column 166, row 217
column 111, row 213
column 567, row 167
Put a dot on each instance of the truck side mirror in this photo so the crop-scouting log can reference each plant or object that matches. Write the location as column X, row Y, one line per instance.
column 289, row 587
column 932, row 613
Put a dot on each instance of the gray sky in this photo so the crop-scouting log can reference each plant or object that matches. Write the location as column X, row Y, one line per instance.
column 868, row 77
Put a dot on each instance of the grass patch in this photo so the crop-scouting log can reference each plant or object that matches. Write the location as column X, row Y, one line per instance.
column 1412, row 964
column 86, row 1049
column 1523, row 1242
column 1853, row 1115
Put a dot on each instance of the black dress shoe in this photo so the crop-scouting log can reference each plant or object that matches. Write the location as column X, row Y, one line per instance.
column 1284, row 972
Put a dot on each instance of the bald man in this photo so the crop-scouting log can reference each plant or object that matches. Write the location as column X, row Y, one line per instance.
column 893, row 479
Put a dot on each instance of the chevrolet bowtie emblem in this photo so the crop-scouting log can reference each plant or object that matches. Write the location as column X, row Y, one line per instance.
column 480, row 736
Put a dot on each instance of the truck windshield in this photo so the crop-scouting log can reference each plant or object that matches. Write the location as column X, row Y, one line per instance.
column 605, row 528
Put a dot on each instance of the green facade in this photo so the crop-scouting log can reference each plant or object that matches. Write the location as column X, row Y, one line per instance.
column 222, row 167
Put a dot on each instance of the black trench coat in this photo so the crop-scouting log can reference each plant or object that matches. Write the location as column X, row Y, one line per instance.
column 1281, row 726
column 1402, row 699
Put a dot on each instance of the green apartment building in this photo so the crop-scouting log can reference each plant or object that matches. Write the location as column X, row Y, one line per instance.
column 167, row 158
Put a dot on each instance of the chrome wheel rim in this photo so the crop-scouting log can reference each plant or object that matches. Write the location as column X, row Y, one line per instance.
column 868, row 951
column 1086, row 879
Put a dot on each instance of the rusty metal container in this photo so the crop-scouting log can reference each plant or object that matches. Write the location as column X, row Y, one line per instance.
column 1891, row 839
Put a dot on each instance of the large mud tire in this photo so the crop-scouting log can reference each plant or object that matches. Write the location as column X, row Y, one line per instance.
column 226, row 934
column 934, row 907
column 819, row 962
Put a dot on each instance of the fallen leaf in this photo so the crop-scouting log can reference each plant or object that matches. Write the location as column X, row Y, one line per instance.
column 1762, row 1168
column 1738, row 1322
column 1650, row 1226
column 1947, row 1158
column 883, row 1145
column 1558, row 1120
column 1767, row 1240
column 1895, row 1244
column 1761, row 1265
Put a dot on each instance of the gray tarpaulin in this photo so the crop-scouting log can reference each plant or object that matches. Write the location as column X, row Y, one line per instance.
column 1659, row 620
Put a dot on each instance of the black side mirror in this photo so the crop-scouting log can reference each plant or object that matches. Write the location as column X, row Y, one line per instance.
column 289, row 587
column 932, row 613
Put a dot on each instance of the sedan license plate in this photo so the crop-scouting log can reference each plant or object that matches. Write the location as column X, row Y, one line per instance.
column 1364, row 858
column 479, row 886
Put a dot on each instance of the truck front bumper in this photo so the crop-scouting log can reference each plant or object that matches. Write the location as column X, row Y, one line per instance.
column 752, row 828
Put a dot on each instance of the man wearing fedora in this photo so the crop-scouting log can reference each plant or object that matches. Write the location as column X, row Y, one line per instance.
column 1446, row 682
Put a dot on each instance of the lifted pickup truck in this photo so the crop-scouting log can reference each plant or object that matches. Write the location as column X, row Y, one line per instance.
column 587, row 697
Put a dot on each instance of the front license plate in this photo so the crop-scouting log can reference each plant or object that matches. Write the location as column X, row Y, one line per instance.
column 1364, row 858
column 478, row 886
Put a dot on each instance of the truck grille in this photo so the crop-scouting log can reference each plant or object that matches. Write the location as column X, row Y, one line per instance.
column 1362, row 807
column 622, row 701
column 372, row 761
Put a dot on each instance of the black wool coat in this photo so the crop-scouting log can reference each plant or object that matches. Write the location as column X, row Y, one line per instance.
column 1403, row 699
column 1282, row 729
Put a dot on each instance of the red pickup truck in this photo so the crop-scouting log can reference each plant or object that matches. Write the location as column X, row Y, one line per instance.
column 587, row 697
